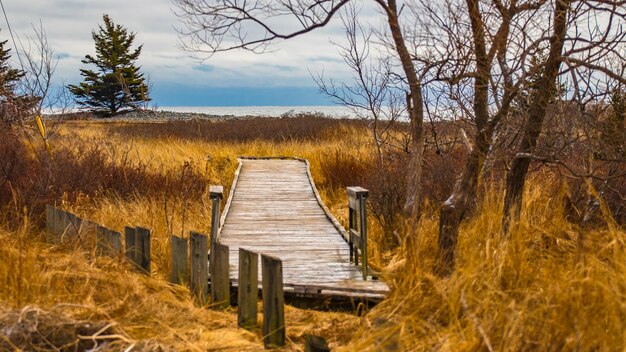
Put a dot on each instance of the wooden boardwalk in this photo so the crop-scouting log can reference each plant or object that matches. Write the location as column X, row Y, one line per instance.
column 274, row 209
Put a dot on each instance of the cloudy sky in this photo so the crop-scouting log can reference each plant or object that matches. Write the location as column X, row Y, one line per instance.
column 282, row 77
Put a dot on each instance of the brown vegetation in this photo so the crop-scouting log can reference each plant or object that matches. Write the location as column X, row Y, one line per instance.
column 533, row 290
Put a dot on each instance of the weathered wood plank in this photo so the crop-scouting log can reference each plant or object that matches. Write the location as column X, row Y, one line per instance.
column 88, row 230
column 60, row 224
column 143, row 248
column 114, row 240
column 198, row 253
column 273, row 302
column 50, row 223
column 247, row 291
column 101, row 240
column 220, row 281
column 130, row 241
column 178, row 269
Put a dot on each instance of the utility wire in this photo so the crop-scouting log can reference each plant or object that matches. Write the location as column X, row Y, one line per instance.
column 17, row 52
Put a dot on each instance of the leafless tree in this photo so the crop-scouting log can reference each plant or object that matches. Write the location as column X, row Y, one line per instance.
column 583, row 42
column 471, row 56
column 39, row 67
column 222, row 25
column 376, row 93
column 493, row 65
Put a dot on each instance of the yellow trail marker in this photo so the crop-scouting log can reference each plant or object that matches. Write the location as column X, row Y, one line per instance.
column 42, row 132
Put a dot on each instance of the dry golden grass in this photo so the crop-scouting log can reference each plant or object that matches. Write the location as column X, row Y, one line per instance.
column 71, row 285
column 535, row 290
column 63, row 287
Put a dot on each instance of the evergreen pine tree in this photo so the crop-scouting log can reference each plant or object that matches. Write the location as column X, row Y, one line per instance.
column 12, row 104
column 117, row 84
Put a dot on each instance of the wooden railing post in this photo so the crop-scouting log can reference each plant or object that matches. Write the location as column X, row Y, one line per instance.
column 248, row 289
column 178, row 270
column 363, row 230
column 198, row 252
column 216, row 193
column 357, row 197
column 273, row 302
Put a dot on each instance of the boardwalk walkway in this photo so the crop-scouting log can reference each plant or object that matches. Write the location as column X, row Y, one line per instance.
column 275, row 210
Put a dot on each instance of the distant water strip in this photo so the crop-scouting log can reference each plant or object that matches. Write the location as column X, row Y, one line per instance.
column 273, row 111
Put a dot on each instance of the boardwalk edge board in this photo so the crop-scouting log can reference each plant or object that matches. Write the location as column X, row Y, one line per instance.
column 231, row 193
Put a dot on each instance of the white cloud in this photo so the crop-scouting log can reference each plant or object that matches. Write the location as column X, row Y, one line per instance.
column 69, row 23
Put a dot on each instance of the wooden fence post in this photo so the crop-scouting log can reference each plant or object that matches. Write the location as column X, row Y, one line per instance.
column 78, row 224
column 114, row 240
column 72, row 229
column 199, row 261
column 50, row 223
column 87, row 228
column 220, row 280
column 108, row 242
column 273, row 302
column 101, row 238
column 130, row 242
column 65, row 224
column 313, row 343
column 216, row 193
column 178, row 270
column 60, row 224
column 143, row 248
column 248, row 289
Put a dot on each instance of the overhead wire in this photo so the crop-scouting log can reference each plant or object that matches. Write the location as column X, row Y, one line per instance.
column 6, row 18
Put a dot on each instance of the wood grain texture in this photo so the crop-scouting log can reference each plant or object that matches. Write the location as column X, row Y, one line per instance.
column 274, row 210
column 248, row 291
column 199, row 254
column 143, row 249
column 130, row 240
column 178, row 269
column 50, row 223
column 273, row 302
column 220, row 283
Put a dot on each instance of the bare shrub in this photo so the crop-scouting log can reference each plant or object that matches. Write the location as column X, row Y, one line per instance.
column 290, row 127
column 30, row 181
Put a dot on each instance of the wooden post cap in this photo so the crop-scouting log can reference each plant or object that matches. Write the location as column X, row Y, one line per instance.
column 357, row 192
column 216, row 192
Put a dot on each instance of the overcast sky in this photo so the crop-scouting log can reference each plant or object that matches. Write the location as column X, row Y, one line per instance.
column 282, row 77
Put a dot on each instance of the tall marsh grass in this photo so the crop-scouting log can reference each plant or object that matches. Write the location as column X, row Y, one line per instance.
column 551, row 285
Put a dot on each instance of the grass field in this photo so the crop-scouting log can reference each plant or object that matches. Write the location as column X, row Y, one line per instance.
column 537, row 290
